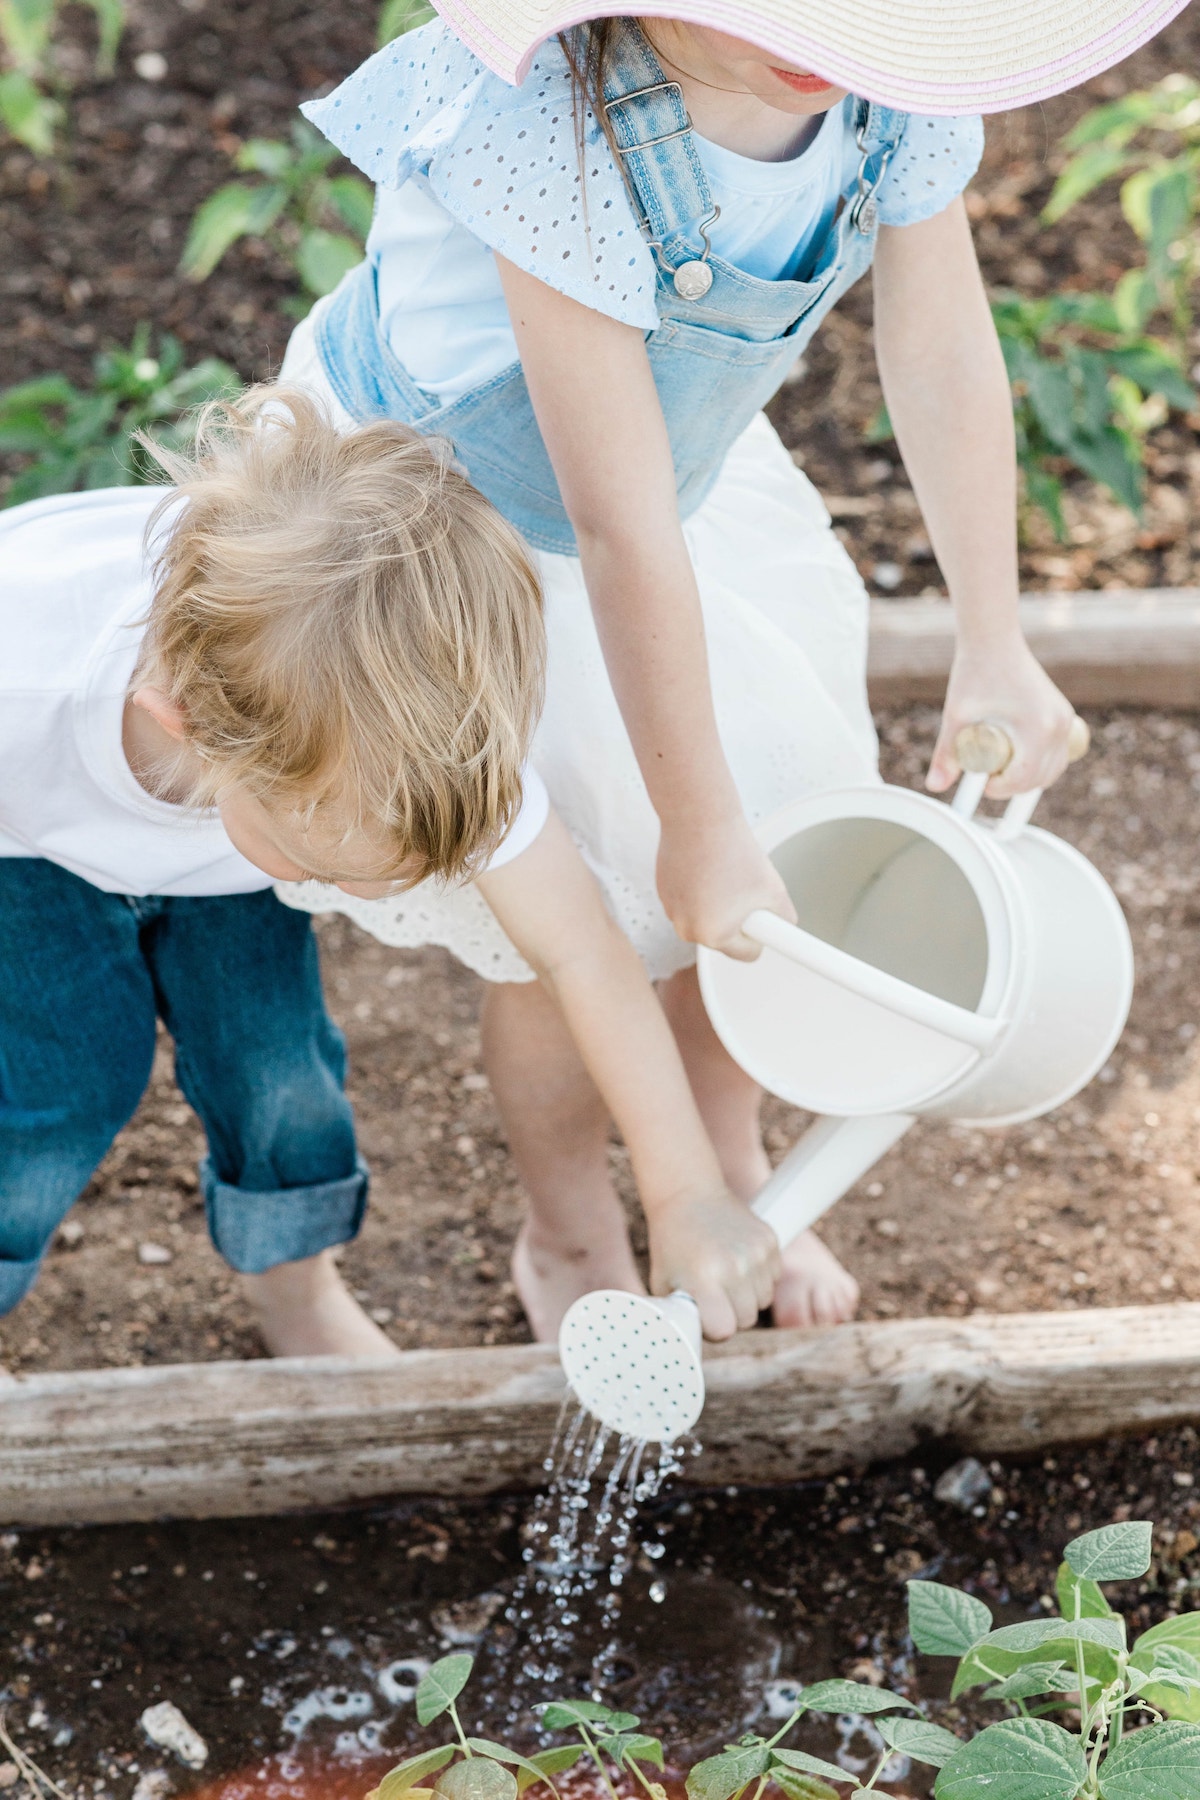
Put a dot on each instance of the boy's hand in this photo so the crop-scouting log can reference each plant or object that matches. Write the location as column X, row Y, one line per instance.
column 715, row 1249
column 711, row 875
column 1004, row 683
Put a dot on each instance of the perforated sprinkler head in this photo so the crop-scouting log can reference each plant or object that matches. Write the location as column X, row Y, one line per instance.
column 634, row 1363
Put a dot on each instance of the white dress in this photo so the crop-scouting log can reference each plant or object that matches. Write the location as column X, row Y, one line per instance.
column 785, row 611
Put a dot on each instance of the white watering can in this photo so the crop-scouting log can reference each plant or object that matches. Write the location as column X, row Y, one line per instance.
column 942, row 966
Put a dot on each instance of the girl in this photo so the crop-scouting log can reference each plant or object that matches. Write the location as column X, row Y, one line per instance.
column 591, row 282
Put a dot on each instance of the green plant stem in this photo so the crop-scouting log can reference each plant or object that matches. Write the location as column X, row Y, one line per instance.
column 462, row 1736
column 596, row 1757
column 784, row 1729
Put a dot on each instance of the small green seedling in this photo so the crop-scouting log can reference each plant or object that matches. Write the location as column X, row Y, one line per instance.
column 74, row 437
column 755, row 1762
column 317, row 220
column 486, row 1771
column 30, row 108
column 1150, row 142
column 1078, row 1662
column 611, row 1740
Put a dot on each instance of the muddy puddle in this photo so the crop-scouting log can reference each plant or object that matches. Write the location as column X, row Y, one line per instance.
column 293, row 1645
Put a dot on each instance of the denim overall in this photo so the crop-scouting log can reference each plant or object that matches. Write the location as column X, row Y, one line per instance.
column 717, row 356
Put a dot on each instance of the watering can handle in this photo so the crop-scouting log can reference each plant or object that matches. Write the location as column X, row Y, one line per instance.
column 985, row 750
column 870, row 983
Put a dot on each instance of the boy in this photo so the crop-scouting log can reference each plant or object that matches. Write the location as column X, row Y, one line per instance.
column 332, row 671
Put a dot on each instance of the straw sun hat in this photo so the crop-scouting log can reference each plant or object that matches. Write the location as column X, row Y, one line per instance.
column 928, row 56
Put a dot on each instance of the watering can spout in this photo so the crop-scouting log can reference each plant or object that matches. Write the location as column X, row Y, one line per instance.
column 634, row 1362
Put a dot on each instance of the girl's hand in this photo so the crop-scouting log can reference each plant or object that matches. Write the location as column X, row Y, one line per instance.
column 714, row 1248
column 1004, row 683
column 711, row 875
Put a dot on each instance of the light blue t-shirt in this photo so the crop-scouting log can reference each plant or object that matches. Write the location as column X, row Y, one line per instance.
column 465, row 164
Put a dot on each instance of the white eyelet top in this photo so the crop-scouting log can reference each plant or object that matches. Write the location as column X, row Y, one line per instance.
column 466, row 164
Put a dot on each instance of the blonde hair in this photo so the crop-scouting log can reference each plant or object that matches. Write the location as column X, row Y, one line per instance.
column 348, row 628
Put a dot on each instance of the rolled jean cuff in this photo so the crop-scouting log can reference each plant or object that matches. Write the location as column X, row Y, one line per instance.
column 255, row 1231
column 16, row 1279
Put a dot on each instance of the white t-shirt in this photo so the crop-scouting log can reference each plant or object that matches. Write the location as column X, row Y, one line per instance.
column 75, row 591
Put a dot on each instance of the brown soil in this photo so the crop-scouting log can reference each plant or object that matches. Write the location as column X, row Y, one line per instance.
column 1097, row 1205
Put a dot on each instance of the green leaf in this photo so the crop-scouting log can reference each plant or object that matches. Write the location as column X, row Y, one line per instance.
column 943, row 1620
column 849, row 1697
column 1019, row 1759
column 477, row 1779
column 1035, row 1678
column 548, row 1763
column 1114, row 1553
column 110, row 21
column 987, row 1662
column 441, row 1685
column 399, row 16
column 27, row 114
column 920, row 1739
column 1161, row 1762
column 632, row 1746
column 804, row 1764
column 407, row 1774
column 1135, row 298
column 1079, row 1598
column 1156, row 371
column 354, row 200
column 236, row 210
column 266, row 156
column 1035, row 1634
column 1115, row 462
column 721, row 1777
column 1181, row 1635
column 560, row 1715
column 323, row 257
column 501, row 1753
column 25, row 27
column 1083, row 173
column 803, row 1787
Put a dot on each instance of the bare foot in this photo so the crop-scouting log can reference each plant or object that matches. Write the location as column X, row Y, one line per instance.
column 305, row 1309
column 814, row 1289
column 549, row 1273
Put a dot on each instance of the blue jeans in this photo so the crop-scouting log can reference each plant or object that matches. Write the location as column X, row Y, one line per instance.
column 83, row 975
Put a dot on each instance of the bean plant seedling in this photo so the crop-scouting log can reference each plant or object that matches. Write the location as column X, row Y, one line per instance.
column 1138, row 1711
column 70, row 437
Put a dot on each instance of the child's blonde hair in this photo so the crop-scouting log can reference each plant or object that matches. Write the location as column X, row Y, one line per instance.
column 348, row 627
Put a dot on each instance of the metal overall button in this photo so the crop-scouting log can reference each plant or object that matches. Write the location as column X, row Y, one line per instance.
column 693, row 279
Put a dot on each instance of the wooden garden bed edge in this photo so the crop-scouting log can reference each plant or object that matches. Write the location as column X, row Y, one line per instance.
column 226, row 1439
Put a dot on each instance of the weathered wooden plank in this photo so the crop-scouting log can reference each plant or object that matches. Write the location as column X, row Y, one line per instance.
column 211, row 1439
column 1128, row 648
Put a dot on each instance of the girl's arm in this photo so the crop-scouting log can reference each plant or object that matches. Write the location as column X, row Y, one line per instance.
column 701, row 1238
column 948, row 395
column 593, row 392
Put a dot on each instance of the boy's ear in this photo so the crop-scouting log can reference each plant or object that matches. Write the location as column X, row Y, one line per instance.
column 164, row 712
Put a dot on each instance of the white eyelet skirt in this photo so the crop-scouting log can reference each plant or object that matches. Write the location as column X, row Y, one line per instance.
column 785, row 614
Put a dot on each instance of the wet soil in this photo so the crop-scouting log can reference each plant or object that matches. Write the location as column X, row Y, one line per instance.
column 1096, row 1205
column 289, row 1643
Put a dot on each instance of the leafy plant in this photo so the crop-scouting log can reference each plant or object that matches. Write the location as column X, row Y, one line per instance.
column 1087, row 389
column 294, row 204
column 30, row 109
column 398, row 16
column 487, row 1770
column 85, row 437
column 753, row 1762
column 1079, row 1662
column 1160, row 193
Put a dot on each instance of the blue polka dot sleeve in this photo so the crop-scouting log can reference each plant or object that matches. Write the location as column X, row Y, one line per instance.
column 933, row 162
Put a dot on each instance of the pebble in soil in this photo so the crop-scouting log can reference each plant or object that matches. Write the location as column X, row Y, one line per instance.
column 293, row 1645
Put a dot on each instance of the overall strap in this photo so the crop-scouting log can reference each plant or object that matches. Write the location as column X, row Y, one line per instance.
column 657, row 154
column 877, row 131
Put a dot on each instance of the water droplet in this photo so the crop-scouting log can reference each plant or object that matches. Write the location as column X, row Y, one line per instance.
column 658, row 1592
